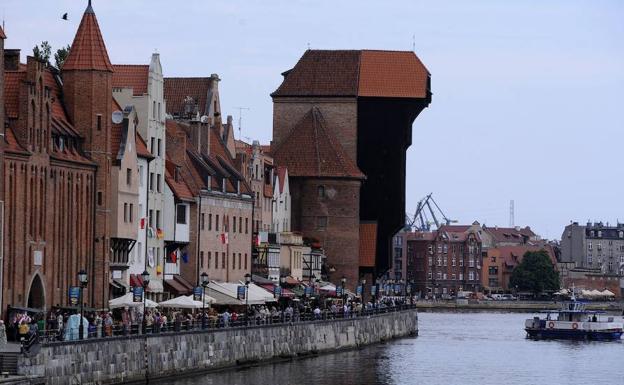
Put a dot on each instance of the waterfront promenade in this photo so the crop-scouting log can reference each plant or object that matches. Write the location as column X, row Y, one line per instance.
column 519, row 306
column 133, row 358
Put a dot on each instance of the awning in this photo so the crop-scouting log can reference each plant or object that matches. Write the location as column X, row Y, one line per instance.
column 223, row 299
column 285, row 292
column 292, row 281
column 178, row 286
column 155, row 286
column 119, row 284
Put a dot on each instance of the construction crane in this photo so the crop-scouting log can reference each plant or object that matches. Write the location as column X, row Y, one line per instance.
column 425, row 216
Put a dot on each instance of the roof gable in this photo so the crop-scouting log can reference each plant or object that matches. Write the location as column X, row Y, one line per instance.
column 88, row 51
column 311, row 150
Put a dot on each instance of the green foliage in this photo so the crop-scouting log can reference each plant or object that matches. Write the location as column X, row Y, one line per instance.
column 43, row 52
column 60, row 56
column 535, row 273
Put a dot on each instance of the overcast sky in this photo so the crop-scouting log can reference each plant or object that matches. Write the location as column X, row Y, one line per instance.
column 528, row 95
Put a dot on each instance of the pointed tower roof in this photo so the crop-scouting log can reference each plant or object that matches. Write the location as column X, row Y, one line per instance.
column 311, row 150
column 88, row 51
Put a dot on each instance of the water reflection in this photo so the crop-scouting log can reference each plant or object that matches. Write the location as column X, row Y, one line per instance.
column 466, row 348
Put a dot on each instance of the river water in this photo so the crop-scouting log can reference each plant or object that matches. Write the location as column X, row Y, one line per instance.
column 452, row 348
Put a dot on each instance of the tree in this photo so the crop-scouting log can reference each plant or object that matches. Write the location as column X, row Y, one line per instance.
column 535, row 273
column 43, row 52
column 60, row 56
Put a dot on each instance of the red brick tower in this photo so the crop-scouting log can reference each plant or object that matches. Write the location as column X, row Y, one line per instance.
column 87, row 78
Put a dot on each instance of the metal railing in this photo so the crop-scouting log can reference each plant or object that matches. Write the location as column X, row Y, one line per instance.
column 216, row 322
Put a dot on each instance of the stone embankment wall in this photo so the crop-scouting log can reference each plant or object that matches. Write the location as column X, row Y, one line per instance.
column 127, row 359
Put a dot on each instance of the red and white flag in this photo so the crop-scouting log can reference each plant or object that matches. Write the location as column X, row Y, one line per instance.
column 224, row 238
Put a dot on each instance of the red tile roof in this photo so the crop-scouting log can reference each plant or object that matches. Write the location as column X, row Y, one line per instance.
column 12, row 81
column 131, row 76
column 513, row 255
column 311, row 150
column 177, row 89
column 12, row 144
column 367, row 73
column 179, row 188
column 141, row 148
column 368, row 244
column 509, row 234
column 397, row 74
column 88, row 51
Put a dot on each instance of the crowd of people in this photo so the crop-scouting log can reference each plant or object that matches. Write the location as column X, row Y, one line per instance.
column 65, row 325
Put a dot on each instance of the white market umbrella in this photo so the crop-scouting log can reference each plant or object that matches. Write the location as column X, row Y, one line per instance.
column 126, row 300
column 596, row 293
column 608, row 293
column 182, row 302
column 586, row 293
column 328, row 287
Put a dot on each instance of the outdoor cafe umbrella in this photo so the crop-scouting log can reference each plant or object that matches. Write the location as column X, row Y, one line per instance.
column 608, row 293
column 182, row 302
column 126, row 300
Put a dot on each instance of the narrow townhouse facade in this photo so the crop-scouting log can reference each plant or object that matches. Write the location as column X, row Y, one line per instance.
column 282, row 206
column 143, row 87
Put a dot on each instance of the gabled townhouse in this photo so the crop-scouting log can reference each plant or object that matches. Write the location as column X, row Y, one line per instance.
column 281, row 201
column 143, row 87
column 256, row 164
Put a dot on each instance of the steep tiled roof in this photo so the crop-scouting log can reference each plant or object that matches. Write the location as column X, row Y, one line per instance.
column 179, row 188
column 12, row 143
column 311, row 150
column 131, row 76
column 368, row 243
column 2, row 35
column 392, row 74
column 177, row 89
column 513, row 255
column 141, row 148
column 12, row 81
column 281, row 177
column 88, row 51
column 322, row 73
column 397, row 74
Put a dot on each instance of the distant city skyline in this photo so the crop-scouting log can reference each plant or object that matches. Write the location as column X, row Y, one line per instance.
column 526, row 96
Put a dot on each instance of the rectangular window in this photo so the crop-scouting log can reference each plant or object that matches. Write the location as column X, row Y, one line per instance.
column 129, row 176
column 471, row 276
column 99, row 122
column 209, row 260
column 151, row 218
column 461, row 262
column 216, row 259
column 209, row 222
column 233, row 261
column 217, row 223
column 159, row 147
column 240, row 257
column 429, row 275
column 125, row 212
column 202, row 221
column 240, row 224
column 234, row 224
column 181, row 214
column 223, row 260
column 151, row 181
column 246, row 228
column 158, row 188
column 201, row 259
column 453, row 277
column 158, row 219
column 99, row 198
column 321, row 223
column 246, row 261
column 152, row 145
column 461, row 276
column 131, row 213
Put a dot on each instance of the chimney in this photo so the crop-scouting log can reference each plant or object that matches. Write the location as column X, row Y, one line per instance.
column 11, row 59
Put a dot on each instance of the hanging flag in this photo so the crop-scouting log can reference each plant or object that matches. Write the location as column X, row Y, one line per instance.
column 160, row 234
column 142, row 223
column 174, row 256
column 150, row 257
column 224, row 238
column 159, row 270
column 185, row 258
column 150, row 232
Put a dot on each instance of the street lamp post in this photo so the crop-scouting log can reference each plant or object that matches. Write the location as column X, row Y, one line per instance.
column 204, row 284
column 82, row 278
column 343, row 280
column 282, row 283
column 247, row 282
column 146, row 278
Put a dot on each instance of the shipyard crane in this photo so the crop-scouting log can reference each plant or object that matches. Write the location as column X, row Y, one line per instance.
column 425, row 216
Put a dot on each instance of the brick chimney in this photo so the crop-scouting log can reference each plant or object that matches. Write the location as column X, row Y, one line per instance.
column 11, row 59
